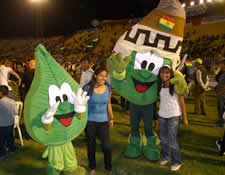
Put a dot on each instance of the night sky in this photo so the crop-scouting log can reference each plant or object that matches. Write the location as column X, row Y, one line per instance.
column 19, row 18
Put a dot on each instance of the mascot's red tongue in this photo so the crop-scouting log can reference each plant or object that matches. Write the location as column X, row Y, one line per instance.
column 141, row 88
column 66, row 121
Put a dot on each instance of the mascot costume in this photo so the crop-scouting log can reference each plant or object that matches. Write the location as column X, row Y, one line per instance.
column 55, row 113
column 135, row 63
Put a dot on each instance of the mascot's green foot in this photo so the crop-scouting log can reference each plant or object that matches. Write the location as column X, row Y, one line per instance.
column 134, row 148
column 78, row 171
column 151, row 150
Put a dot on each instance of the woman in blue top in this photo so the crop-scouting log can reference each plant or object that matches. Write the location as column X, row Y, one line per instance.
column 100, row 118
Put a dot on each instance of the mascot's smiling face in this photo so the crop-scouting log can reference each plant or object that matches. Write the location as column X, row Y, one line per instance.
column 51, row 84
column 65, row 111
column 140, row 84
column 143, row 70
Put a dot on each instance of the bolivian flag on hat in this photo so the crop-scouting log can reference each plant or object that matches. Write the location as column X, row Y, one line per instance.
column 161, row 31
column 166, row 23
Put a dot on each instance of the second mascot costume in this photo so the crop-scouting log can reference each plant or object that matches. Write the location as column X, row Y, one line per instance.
column 55, row 113
column 140, row 52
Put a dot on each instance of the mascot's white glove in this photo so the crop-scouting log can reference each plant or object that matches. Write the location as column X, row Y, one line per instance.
column 80, row 101
column 48, row 117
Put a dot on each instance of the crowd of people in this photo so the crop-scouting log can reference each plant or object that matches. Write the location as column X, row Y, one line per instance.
column 23, row 47
column 95, row 80
column 206, row 46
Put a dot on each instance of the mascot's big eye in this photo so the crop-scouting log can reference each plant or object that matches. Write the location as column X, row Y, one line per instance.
column 144, row 64
column 54, row 94
column 63, row 94
column 149, row 61
column 151, row 66
column 66, row 91
column 57, row 98
column 65, row 98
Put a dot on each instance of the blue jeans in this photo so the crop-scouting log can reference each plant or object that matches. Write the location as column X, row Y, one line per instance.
column 221, row 107
column 138, row 111
column 6, row 139
column 168, row 129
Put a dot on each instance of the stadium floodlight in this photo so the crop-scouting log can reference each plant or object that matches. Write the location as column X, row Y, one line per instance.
column 201, row 1
column 38, row 1
column 183, row 5
column 192, row 3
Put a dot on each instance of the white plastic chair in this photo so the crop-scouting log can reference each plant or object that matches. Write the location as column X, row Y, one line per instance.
column 19, row 105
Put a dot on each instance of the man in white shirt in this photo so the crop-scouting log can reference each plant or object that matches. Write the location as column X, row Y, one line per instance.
column 87, row 71
column 5, row 70
column 8, row 110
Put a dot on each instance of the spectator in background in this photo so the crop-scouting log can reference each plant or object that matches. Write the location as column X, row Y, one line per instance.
column 87, row 71
column 20, row 72
column 220, row 143
column 188, row 72
column 8, row 110
column 220, row 92
column 124, row 104
column 5, row 70
column 26, row 83
column 28, row 77
column 201, row 81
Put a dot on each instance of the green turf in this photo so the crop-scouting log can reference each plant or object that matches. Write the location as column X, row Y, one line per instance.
column 199, row 153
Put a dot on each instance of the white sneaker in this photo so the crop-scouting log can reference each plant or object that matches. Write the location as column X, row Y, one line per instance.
column 163, row 162
column 175, row 167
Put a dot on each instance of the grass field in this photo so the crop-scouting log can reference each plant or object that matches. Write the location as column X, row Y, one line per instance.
column 197, row 142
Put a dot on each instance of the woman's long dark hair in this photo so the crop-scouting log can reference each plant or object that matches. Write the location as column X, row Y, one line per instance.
column 92, row 83
column 160, row 82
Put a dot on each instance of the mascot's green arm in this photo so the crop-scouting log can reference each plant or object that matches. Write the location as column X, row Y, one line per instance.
column 180, row 83
column 119, row 76
column 118, row 64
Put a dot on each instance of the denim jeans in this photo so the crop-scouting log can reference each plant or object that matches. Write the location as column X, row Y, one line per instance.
column 221, row 107
column 6, row 139
column 124, row 103
column 144, row 111
column 99, row 130
column 168, row 129
column 223, row 144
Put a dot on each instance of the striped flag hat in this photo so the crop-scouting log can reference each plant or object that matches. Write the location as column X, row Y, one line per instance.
column 161, row 30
